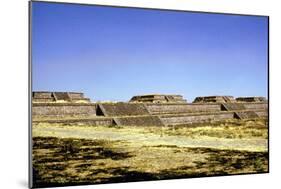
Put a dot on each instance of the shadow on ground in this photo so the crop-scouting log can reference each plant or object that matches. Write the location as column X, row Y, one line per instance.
column 65, row 162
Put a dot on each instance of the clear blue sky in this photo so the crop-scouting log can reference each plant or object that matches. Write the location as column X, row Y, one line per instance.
column 116, row 53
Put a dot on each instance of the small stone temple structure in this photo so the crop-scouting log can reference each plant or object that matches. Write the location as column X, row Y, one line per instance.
column 144, row 110
column 158, row 98
column 251, row 99
column 217, row 99
column 43, row 96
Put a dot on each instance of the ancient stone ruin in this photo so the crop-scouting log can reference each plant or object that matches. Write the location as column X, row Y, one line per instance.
column 158, row 98
column 217, row 99
column 251, row 99
column 42, row 96
column 146, row 110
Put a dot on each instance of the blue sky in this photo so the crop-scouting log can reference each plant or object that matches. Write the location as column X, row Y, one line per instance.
column 115, row 53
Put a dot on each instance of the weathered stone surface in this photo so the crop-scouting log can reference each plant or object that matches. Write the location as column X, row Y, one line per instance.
column 245, row 115
column 139, row 121
column 123, row 109
column 254, row 106
column 81, row 121
column 214, row 99
column 63, row 109
column 42, row 96
column 189, row 119
column 148, row 110
column 251, row 99
column 233, row 106
column 182, row 108
column 262, row 113
column 158, row 98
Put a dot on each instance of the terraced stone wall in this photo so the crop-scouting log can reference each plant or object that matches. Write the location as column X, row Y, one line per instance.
column 189, row 119
column 182, row 108
column 63, row 109
column 122, row 109
column 150, row 114
column 42, row 94
column 76, row 95
column 139, row 121
column 256, row 105
column 80, row 121
column 262, row 113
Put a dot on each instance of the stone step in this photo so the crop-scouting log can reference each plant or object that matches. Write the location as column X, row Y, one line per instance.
column 62, row 96
column 233, row 106
column 121, row 109
column 246, row 115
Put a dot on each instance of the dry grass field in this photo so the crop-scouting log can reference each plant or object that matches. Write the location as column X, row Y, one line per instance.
column 72, row 155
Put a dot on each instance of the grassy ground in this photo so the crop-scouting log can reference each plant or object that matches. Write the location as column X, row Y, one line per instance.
column 74, row 155
column 231, row 129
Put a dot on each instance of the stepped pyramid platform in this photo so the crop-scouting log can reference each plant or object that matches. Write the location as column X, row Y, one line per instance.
column 44, row 96
column 214, row 99
column 144, row 110
column 251, row 99
column 158, row 98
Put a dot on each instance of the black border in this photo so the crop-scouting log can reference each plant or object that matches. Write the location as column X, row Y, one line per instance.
column 30, row 179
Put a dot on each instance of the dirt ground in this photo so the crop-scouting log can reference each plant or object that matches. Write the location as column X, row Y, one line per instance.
column 72, row 155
